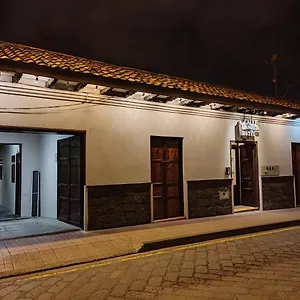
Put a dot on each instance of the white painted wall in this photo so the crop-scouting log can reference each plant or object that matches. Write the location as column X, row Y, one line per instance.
column 118, row 138
column 30, row 144
column 38, row 154
column 8, row 189
column 30, row 163
column 48, row 174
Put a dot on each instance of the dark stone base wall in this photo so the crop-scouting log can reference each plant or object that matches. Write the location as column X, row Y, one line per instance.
column 278, row 192
column 203, row 198
column 111, row 206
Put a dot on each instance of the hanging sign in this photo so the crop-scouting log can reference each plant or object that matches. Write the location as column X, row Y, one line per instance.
column 248, row 128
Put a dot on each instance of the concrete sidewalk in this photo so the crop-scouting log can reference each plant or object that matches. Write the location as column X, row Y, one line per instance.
column 26, row 255
column 21, row 228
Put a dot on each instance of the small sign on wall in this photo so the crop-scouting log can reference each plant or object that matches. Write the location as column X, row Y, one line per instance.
column 247, row 129
column 270, row 170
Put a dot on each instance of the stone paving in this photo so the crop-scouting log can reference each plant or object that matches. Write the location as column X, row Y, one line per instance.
column 261, row 267
column 25, row 255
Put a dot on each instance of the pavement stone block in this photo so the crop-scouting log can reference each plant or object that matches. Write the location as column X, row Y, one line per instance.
column 188, row 265
column 138, row 285
column 119, row 290
column 159, row 271
column 155, row 280
column 176, row 273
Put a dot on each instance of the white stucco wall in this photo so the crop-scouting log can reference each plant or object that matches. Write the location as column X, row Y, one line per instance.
column 118, row 138
column 38, row 154
column 8, row 189
column 30, row 148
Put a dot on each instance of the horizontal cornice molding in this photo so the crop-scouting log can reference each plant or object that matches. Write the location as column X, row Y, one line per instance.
column 80, row 97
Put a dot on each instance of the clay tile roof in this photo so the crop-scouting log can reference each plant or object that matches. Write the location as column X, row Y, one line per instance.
column 24, row 56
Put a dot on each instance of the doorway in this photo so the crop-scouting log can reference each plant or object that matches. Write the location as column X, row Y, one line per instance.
column 166, row 177
column 244, row 165
column 10, row 181
column 70, row 181
column 296, row 169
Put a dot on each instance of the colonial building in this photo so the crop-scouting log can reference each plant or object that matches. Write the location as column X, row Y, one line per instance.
column 102, row 146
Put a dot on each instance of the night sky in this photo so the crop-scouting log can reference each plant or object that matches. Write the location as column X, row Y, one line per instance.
column 225, row 42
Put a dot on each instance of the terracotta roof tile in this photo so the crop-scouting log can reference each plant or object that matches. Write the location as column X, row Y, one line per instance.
column 44, row 58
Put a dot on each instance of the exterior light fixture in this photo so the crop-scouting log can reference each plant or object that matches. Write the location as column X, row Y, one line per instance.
column 36, row 80
column 96, row 88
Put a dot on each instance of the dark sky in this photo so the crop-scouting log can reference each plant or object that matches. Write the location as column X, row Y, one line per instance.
column 225, row 42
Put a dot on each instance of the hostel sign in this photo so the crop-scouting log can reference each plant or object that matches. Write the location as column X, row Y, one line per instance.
column 248, row 128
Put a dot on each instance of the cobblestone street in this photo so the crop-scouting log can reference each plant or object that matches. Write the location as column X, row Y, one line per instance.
column 264, row 266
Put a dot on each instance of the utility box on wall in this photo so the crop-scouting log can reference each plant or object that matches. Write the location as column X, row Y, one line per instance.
column 224, row 194
column 270, row 171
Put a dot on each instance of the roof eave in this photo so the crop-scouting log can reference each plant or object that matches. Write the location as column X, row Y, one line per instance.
column 37, row 70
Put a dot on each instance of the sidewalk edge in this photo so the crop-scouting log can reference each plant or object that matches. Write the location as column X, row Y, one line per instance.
column 160, row 244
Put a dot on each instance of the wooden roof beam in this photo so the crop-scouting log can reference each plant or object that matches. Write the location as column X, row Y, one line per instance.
column 196, row 103
column 117, row 92
column 16, row 78
column 161, row 98
column 51, row 83
column 79, row 86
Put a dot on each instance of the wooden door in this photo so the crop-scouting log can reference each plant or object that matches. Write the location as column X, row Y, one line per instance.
column 237, row 181
column 166, row 176
column 249, row 175
column 296, row 169
column 69, row 181
column 18, row 184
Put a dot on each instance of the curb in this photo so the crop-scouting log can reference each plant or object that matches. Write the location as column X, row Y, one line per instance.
column 39, row 234
column 160, row 244
column 24, row 272
column 156, row 245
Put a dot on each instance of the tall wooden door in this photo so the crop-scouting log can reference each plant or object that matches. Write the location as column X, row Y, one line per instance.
column 18, row 184
column 166, row 176
column 69, row 181
column 296, row 169
column 236, row 182
column 249, row 175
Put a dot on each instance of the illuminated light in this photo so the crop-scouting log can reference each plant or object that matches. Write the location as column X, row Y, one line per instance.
column 286, row 116
column 265, row 113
